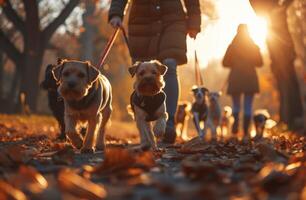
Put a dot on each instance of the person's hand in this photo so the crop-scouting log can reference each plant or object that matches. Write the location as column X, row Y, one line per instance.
column 193, row 33
column 115, row 22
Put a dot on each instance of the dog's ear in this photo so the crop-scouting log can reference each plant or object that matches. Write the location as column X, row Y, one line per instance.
column 161, row 67
column 92, row 72
column 57, row 71
column 133, row 69
column 194, row 88
column 204, row 90
column 60, row 61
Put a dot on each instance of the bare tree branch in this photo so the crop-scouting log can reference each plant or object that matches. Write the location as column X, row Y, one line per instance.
column 12, row 15
column 51, row 28
column 9, row 48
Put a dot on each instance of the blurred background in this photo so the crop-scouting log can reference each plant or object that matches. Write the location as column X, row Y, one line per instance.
column 34, row 33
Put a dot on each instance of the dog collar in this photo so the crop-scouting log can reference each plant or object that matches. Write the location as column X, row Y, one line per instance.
column 86, row 101
column 149, row 104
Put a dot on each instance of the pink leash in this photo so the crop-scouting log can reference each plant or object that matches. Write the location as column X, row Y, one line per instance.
column 110, row 44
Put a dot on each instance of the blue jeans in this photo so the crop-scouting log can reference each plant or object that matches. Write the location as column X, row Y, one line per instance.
column 171, row 89
column 247, row 104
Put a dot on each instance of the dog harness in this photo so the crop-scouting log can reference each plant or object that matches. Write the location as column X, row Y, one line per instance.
column 149, row 104
column 86, row 101
column 202, row 109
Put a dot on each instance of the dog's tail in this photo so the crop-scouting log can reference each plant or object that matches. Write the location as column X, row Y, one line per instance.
column 130, row 111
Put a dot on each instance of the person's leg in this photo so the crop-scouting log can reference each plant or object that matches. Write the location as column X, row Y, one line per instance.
column 236, row 111
column 172, row 91
column 248, row 102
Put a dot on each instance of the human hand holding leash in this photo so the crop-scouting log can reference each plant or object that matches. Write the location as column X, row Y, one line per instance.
column 192, row 33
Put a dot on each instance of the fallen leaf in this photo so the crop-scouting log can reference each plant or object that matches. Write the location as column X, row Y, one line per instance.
column 8, row 192
column 117, row 159
column 80, row 187
column 20, row 154
column 29, row 179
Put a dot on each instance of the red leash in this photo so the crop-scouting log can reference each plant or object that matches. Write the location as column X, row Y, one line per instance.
column 110, row 44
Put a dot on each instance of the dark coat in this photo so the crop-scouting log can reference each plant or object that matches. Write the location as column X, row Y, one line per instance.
column 158, row 28
column 242, row 56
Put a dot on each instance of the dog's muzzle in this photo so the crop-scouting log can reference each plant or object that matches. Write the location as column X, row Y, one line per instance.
column 148, row 86
column 71, row 84
column 199, row 96
column 148, row 80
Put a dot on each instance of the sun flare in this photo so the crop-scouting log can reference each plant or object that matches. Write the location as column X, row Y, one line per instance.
column 216, row 35
column 258, row 30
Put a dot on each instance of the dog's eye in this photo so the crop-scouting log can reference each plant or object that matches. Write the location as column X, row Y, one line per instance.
column 81, row 75
column 65, row 74
column 141, row 73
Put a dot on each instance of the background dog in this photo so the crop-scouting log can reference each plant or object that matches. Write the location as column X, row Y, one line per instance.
column 214, row 113
column 200, row 109
column 226, row 120
column 182, row 118
column 56, row 104
column 87, row 97
column 148, row 101
column 260, row 118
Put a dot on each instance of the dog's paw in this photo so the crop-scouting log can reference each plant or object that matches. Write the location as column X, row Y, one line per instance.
column 76, row 141
column 88, row 150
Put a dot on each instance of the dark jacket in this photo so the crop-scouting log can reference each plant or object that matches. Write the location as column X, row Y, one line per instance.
column 242, row 56
column 158, row 28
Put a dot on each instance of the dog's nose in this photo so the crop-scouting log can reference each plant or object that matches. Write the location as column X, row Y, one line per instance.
column 149, row 79
column 71, row 84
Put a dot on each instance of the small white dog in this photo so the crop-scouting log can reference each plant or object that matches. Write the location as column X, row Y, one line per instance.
column 226, row 120
column 87, row 98
column 148, row 101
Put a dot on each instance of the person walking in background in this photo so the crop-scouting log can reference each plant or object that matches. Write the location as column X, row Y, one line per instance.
column 157, row 30
column 242, row 56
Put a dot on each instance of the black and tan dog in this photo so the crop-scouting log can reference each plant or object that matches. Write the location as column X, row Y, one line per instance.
column 200, row 109
column 87, row 98
column 148, row 101
column 56, row 104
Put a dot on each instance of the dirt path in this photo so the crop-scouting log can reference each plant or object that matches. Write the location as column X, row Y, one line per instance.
column 35, row 166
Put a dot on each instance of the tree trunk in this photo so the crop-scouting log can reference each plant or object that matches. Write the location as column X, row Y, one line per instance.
column 1, row 73
column 282, row 56
column 35, row 42
column 87, row 37
column 30, row 78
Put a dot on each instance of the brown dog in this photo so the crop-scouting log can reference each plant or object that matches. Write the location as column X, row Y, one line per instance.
column 87, row 98
column 148, row 101
column 182, row 116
